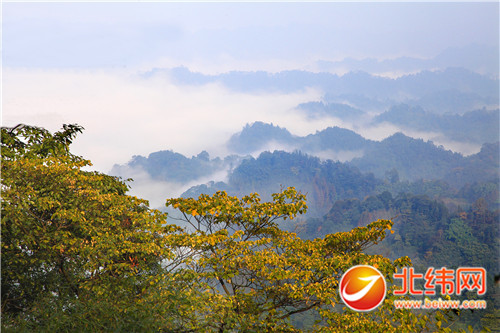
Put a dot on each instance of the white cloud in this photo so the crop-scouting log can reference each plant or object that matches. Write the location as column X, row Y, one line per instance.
column 126, row 115
column 157, row 191
column 384, row 130
column 340, row 155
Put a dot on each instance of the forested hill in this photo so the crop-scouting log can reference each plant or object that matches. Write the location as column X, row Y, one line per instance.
column 260, row 136
column 416, row 85
column 167, row 165
column 416, row 159
column 477, row 126
column 452, row 108
column 424, row 228
column 324, row 182
column 313, row 165
column 412, row 158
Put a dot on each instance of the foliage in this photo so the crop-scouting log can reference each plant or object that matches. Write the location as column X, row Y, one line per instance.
column 260, row 136
column 324, row 181
column 75, row 249
column 256, row 136
column 412, row 158
column 476, row 126
column 260, row 276
column 169, row 166
column 428, row 232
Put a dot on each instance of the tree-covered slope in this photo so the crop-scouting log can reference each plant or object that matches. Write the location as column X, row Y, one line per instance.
column 355, row 82
column 260, row 136
column 478, row 126
column 412, row 158
column 168, row 165
column 323, row 181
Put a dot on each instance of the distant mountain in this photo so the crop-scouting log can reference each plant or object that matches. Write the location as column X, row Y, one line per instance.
column 358, row 101
column 393, row 161
column 323, row 182
column 334, row 139
column 481, row 167
column 477, row 58
column 167, row 165
column 319, row 110
column 453, row 78
column 454, row 102
column 350, row 96
column 253, row 81
column 259, row 136
column 413, row 158
column 408, row 87
column 479, row 126
column 416, row 159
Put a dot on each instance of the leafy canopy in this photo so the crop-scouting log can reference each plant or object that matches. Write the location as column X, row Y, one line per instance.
column 261, row 276
column 72, row 241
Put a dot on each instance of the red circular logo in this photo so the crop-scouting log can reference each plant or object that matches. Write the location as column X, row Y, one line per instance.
column 362, row 288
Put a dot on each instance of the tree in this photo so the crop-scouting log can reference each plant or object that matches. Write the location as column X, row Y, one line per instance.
column 76, row 251
column 259, row 276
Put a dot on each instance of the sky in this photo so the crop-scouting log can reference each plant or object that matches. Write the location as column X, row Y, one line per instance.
column 80, row 62
column 216, row 35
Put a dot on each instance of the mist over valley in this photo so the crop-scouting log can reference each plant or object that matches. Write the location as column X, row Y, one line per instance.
column 439, row 125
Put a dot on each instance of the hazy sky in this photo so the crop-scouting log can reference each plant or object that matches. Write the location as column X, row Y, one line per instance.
column 78, row 63
column 83, row 35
